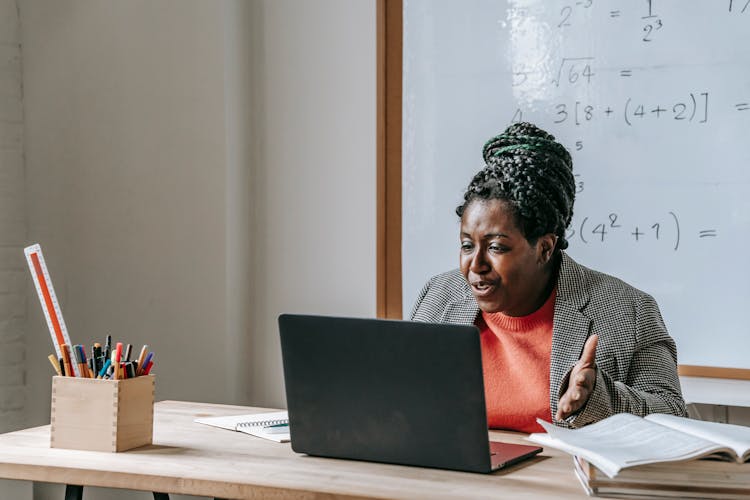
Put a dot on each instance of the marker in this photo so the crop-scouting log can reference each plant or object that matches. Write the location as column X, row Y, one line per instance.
column 105, row 368
column 96, row 357
column 112, row 365
column 81, row 360
column 61, row 362
column 108, row 346
column 146, row 361
column 85, row 362
column 66, row 360
column 76, row 355
column 148, row 367
column 55, row 364
column 128, row 348
column 85, row 370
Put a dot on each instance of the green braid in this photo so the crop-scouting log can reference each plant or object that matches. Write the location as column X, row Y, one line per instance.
column 526, row 167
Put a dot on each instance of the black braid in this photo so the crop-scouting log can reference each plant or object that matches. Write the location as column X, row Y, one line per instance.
column 526, row 167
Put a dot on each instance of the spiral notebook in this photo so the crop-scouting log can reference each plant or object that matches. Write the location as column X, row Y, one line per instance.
column 273, row 425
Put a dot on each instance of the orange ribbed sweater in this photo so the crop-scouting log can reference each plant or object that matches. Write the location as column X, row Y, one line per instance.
column 516, row 360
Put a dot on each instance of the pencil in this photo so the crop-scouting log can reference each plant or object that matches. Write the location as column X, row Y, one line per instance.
column 55, row 364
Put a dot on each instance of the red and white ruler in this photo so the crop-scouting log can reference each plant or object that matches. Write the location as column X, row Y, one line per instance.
column 48, row 299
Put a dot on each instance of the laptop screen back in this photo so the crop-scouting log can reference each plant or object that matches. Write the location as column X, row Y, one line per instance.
column 385, row 391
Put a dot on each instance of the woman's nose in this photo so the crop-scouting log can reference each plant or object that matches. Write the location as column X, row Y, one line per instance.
column 478, row 262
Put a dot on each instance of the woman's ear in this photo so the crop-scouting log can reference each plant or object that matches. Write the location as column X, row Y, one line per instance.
column 546, row 247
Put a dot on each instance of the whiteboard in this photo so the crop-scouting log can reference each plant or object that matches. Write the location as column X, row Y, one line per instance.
column 652, row 98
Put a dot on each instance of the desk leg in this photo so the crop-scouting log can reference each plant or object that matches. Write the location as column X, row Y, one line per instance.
column 73, row 492
column 161, row 496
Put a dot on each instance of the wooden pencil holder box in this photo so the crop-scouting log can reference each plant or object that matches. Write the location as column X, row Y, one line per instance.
column 102, row 415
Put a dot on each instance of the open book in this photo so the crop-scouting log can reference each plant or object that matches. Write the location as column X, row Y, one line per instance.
column 624, row 440
column 273, row 425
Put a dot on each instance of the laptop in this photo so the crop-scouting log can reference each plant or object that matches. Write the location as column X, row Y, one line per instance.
column 389, row 391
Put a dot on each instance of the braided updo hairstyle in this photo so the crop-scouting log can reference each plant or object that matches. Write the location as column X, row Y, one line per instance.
column 533, row 173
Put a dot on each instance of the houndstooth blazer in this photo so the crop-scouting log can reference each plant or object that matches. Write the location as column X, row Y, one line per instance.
column 636, row 359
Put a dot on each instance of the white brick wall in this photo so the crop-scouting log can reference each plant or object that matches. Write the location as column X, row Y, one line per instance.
column 13, row 273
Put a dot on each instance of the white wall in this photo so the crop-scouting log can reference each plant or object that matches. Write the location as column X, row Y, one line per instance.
column 126, row 181
column 195, row 168
column 314, row 195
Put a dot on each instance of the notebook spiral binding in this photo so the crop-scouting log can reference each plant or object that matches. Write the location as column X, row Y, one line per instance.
column 263, row 423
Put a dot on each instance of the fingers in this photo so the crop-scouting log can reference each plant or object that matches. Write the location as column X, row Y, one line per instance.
column 564, row 409
column 577, row 394
column 581, row 381
column 589, row 352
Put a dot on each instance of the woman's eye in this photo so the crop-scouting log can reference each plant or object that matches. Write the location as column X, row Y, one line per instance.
column 497, row 248
column 466, row 247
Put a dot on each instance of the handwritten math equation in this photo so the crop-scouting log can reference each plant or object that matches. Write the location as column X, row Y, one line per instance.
column 688, row 107
column 612, row 227
column 647, row 15
column 693, row 107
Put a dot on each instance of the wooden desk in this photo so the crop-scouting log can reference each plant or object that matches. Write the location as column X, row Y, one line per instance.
column 197, row 459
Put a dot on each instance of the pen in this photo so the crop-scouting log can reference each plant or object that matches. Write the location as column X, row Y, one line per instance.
column 61, row 362
column 128, row 348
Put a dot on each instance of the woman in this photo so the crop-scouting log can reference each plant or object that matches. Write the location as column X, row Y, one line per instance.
column 559, row 341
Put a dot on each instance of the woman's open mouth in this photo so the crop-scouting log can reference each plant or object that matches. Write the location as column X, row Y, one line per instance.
column 483, row 288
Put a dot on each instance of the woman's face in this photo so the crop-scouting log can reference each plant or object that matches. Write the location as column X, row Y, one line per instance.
column 506, row 273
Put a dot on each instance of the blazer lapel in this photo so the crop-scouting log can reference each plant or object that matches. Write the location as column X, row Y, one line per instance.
column 570, row 326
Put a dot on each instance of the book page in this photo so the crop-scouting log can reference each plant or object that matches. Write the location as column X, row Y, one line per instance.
column 624, row 440
column 735, row 437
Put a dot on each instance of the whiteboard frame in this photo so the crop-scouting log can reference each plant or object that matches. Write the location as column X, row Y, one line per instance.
column 389, row 189
column 389, row 113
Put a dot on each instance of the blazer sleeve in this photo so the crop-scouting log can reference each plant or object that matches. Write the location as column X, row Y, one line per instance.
column 420, row 298
column 651, row 384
